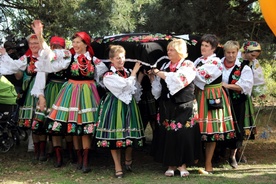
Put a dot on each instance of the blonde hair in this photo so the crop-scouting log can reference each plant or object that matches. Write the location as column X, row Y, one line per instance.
column 180, row 46
column 231, row 45
column 115, row 49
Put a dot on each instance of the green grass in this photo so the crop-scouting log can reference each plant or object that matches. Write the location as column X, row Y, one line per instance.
column 16, row 166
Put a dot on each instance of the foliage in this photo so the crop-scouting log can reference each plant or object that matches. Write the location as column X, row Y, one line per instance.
column 229, row 19
column 269, row 71
column 64, row 17
column 234, row 19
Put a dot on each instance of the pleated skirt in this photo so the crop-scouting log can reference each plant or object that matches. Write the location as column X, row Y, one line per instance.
column 74, row 109
column 40, row 125
column 215, row 124
column 26, row 111
column 119, row 125
column 249, row 126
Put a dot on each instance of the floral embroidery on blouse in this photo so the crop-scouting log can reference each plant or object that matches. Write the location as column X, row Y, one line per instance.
column 183, row 77
column 66, row 55
column 97, row 61
column 204, row 74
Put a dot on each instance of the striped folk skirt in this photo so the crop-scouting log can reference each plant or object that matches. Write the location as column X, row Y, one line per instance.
column 249, row 126
column 39, row 124
column 74, row 110
column 119, row 125
column 215, row 122
column 26, row 111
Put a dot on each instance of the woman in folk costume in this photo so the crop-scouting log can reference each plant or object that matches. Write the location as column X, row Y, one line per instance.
column 214, row 112
column 47, row 95
column 119, row 122
column 237, row 78
column 74, row 110
column 27, row 102
column 178, row 139
column 249, row 52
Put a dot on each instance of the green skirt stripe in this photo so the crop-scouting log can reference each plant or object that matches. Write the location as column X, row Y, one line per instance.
column 51, row 91
column 119, row 121
column 27, row 110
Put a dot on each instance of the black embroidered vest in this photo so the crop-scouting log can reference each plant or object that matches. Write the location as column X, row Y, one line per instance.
column 236, row 97
column 184, row 95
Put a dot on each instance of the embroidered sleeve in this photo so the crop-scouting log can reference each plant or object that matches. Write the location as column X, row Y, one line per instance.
column 122, row 88
column 10, row 66
column 259, row 87
column 208, row 72
column 101, row 68
column 245, row 80
column 181, row 78
column 53, row 60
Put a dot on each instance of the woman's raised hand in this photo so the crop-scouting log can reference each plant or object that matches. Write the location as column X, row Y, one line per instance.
column 37, row 26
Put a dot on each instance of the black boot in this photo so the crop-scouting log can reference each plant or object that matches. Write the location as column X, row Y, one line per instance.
column 79, row 156
column 58, row 151
column 85, row 166
column 36, row 150
column 42, row 155
column 70, row 151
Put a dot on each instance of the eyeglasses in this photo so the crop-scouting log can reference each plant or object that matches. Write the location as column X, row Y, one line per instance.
column 33, row 43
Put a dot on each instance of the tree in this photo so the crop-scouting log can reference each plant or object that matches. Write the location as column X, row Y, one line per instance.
column 234, row 19
column 64, row 17
column 229, row 19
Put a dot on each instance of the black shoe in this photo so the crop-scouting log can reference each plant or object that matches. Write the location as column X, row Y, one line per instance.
column 85, row 170
column 129, row 165
column 233, row 163
column 42, row 158
column 119, row 174
column 79, row 166
column 58, row 164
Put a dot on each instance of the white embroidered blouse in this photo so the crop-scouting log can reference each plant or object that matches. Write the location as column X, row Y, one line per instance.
column 245, row 80
column 123, row 88
column 184, row 75
column 209, row 71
